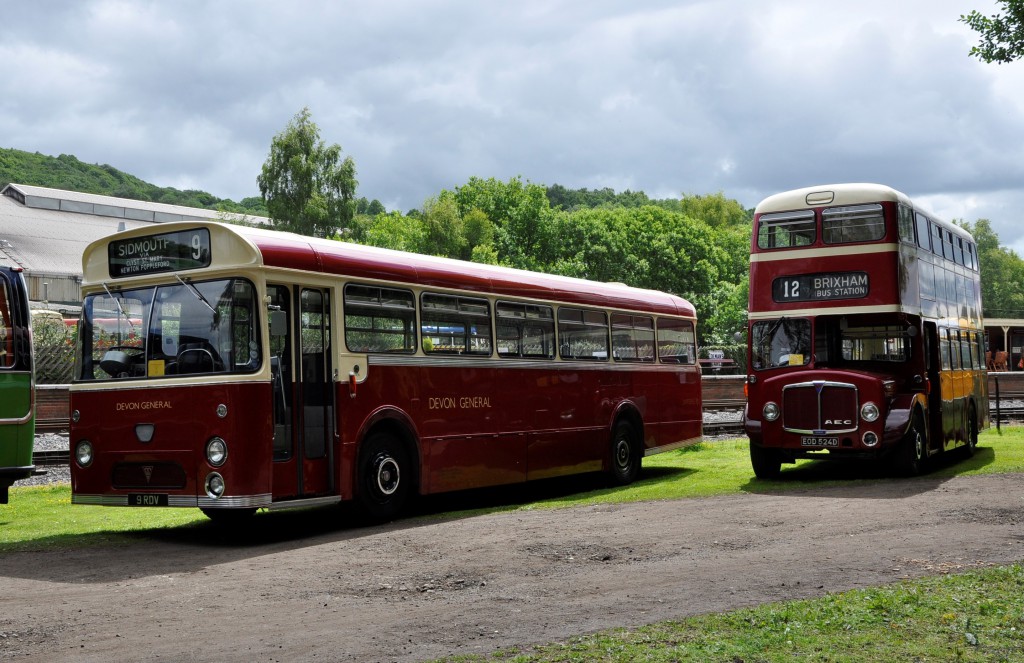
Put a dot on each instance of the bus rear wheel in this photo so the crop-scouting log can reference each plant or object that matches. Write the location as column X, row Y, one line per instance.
column 626, row 454
column 913, row 452
column 767, row 463
column 972, row 433
column 385, row 477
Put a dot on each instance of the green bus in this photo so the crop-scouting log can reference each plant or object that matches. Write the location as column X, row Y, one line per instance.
column 17, row 381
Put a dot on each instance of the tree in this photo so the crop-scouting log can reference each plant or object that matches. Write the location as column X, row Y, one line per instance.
column 521, row 215
column 1002, row 36
column 307, row 187
column 443, row 227
column 394, row 231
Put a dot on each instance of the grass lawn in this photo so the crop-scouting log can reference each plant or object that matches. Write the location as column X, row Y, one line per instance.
column 973, row 616
column 42, row 517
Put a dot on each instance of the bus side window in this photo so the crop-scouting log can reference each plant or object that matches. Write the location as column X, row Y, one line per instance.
column 676, row 341
column 6, row 328
column 525, row 330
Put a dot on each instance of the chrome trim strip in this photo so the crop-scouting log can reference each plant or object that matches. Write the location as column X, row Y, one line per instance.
column 675, row 445
column 188, row 501
column 236, row 501
column 305, row 502
column 495, row 362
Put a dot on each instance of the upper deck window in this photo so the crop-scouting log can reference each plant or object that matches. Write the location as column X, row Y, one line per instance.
column 857, row 223
column 922, row 231
column 783, row 230
column 906, row 224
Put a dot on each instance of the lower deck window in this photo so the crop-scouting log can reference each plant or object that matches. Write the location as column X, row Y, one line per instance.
column 379, row 319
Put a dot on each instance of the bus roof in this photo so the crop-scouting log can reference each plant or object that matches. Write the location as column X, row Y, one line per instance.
column 838, row 195
column 831, row 195
column 242, row 246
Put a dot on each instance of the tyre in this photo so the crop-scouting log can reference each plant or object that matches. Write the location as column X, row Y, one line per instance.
column 912, row 454
column 972, row 433
column 626, row 454
column 385, row 477
column 767, row 463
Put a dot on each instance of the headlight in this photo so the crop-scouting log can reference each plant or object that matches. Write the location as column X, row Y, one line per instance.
column 771, row 411
column 870, row 439
column 869, row 412
column 216, row 451
column 83, row 453
column 214, row 485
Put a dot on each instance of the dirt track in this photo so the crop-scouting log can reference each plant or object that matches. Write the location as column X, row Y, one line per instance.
column 424, row 588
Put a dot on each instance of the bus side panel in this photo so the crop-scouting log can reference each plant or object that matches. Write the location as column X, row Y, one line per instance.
column 677, row 396
column 570, row 414
column 17, row 435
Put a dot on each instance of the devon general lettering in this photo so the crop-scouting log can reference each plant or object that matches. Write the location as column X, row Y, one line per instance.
column 462, row 402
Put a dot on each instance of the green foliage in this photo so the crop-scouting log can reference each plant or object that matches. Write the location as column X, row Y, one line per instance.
column 444, row 228
column 54, row 345
column 1001, row 35
column 68, row 173
column 307, row 187
column 392, row 231
column 521, row 216
column 717, row 211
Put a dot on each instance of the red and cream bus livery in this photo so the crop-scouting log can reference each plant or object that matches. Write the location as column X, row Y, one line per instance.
column 258, row 369
column 865, row 335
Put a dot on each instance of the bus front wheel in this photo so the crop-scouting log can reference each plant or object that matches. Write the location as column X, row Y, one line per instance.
column 385, row 477
column 626, row 454
column 766, row 462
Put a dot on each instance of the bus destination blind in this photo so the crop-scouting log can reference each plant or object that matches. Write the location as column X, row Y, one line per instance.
column 166, row 252
column 820, row 287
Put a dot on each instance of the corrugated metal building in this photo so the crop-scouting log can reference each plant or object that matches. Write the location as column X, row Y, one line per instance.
column 46, row 230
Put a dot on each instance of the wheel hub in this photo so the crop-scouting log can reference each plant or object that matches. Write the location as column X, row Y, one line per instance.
column 388, row 474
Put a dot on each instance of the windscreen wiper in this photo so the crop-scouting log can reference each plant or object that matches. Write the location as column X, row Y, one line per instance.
column 119, row 307
column 195, row 291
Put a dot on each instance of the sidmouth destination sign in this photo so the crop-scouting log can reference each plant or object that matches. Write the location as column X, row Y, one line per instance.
column 166, row 252
column 820, row 287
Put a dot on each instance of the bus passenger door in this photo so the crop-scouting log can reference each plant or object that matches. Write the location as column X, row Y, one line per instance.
column 933, row 363
column 303, row 397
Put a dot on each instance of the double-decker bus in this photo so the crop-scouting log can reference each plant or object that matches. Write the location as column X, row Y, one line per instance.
column 251, row 369
column 17, row 388
column 865, row 330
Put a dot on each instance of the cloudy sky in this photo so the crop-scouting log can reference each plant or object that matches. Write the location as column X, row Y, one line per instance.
column 745, row 97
